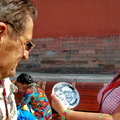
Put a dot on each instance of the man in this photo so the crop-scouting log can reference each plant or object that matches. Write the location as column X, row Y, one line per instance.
column 16, row 27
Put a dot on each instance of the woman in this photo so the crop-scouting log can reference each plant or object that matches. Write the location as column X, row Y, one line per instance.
column 34, row 96
column 108, row 97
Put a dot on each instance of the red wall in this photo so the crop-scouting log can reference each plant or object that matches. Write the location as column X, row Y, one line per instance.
column 75, row 36
column 64, row 18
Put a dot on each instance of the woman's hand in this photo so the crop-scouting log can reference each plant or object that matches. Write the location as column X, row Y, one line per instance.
column 57, row 105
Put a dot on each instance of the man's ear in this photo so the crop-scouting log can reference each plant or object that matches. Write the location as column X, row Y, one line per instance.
column 3, row 28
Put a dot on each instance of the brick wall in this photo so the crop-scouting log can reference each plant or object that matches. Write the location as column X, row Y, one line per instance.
column 95, row 54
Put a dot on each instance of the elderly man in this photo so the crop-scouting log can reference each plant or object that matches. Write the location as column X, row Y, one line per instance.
column 16, row 27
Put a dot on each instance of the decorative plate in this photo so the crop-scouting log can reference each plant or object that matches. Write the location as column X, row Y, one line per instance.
column 67, row 94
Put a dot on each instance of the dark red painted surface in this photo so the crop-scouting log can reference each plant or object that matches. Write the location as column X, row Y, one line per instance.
column 61, row 18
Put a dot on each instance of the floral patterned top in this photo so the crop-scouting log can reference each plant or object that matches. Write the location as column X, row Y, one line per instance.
column 12, row 110
column 36, row 97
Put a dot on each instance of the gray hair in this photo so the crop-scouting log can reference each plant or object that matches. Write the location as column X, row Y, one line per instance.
column 14, row 12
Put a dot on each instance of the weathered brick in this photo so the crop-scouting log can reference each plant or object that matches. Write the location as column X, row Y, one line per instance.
column 81, row 54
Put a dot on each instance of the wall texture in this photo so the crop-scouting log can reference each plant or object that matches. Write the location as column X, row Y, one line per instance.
column 98, row 54
column 66, row 18
column 75, row 36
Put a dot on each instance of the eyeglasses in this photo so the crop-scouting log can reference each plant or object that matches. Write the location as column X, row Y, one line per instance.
column 29, row 45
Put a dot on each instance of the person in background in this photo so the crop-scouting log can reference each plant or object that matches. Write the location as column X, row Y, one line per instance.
column 108, row 98
column 34, row 96
column 16, row 28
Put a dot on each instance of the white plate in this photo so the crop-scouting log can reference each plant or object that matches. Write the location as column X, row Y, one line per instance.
column 67, row 94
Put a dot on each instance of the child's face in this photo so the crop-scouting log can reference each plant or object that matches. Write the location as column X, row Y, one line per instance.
column 21, row 87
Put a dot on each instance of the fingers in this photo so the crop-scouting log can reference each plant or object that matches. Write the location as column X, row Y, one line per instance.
column 57, row 104
column 53, row 96
column 55, row 99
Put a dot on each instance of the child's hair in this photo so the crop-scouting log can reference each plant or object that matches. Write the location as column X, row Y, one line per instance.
column 24, row 79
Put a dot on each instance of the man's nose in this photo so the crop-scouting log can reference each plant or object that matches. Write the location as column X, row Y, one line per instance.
column 26, row 54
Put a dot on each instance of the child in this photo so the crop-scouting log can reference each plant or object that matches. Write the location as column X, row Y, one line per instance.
column 34, row 96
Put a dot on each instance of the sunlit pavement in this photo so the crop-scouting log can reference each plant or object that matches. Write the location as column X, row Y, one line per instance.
column 97, row 78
